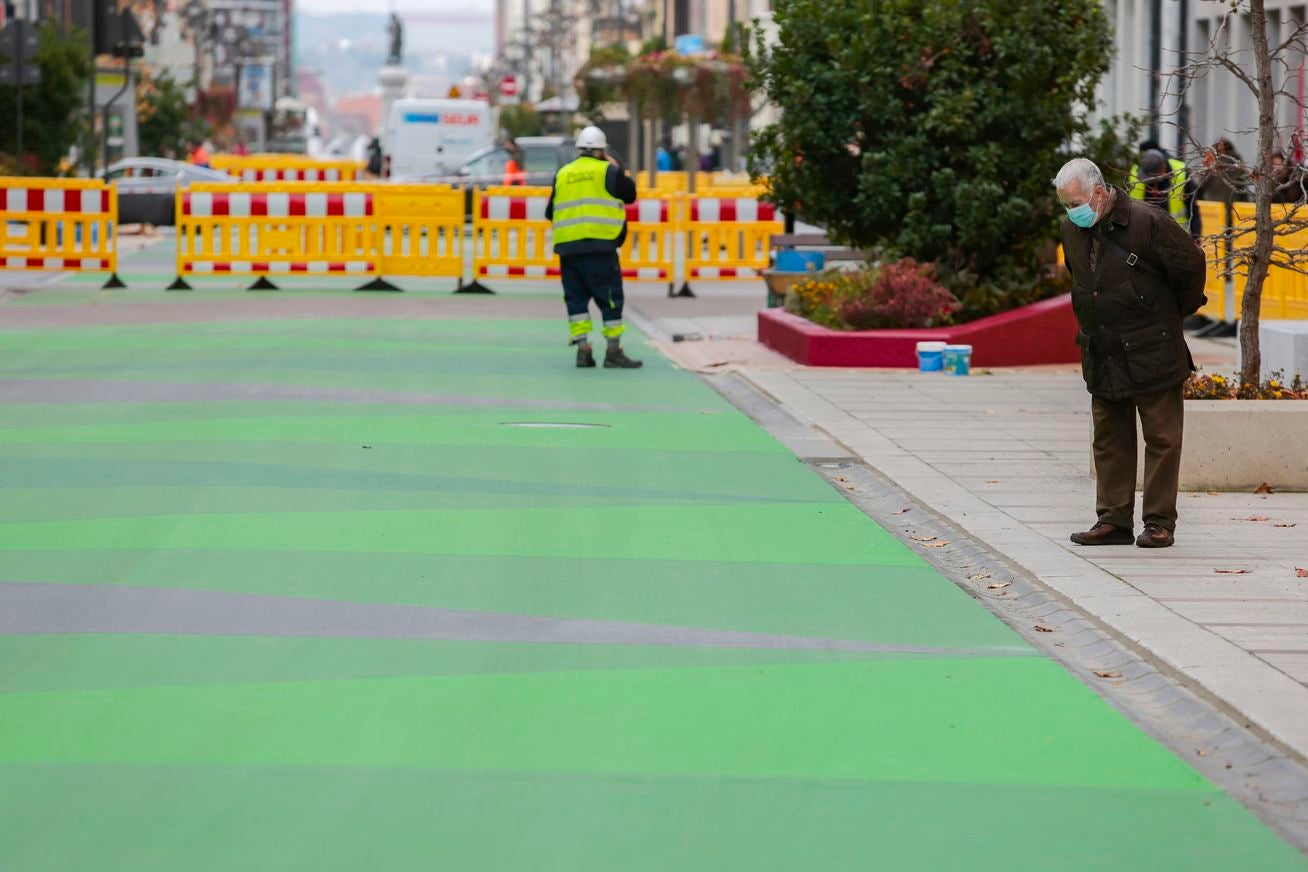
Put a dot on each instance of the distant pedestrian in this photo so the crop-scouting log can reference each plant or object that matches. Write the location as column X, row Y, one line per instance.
column 374, row 158
column 588, row 206
column 515, row 171
column 1289, row 180
column 663, row 157
column 1223, row 177
column 1162, row 181
column 1135, row 275
column 199, row 155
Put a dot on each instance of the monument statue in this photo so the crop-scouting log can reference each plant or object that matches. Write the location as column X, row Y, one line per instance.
column 395, row 30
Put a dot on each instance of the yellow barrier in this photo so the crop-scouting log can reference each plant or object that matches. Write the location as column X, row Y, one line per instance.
column 512, row 239
column 59, row 224
column 728, row 238
column 510, row 235
column 261, row 230
column 665, row 181
column 286, row 168
column 1285, row 292
column 421, row 229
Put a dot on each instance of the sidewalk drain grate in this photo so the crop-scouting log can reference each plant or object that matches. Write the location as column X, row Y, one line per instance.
column 553, row 425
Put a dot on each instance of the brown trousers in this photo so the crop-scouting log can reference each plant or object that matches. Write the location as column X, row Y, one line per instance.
column 1161, row 420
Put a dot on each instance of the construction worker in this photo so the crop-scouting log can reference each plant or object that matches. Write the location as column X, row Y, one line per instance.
column 587, row 206
column 1163, row 181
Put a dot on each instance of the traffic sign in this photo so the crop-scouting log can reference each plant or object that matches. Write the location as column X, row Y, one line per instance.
column 455, row 93
column 31, row 74
column 509, row 86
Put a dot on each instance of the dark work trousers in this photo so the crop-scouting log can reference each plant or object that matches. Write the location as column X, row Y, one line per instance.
column 593, row 276
column 1161, row 420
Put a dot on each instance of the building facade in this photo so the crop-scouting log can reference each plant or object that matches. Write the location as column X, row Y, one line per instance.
column 1185, row 113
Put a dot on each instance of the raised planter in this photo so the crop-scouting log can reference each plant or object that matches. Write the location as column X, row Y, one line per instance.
column 1237, row 445
column 1041, row 333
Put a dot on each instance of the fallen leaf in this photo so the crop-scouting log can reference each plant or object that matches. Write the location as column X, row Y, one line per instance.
column 1108, row 674
column 998, row 585
column 365, row 446
column 1301, row 572
column 978, row 576
column 1252, row 518
column 924, row 538
column 901, row 511
column 1283, row 525
column 1041, row 628
column 992, row 481
column 1264, row 488
column 935, row 545
column 1201, row 752
column 1232, row 571
column 841, row 478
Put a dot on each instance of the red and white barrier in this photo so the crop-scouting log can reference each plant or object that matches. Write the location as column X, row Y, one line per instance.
column 59, row 224
column 263, row 233
column 248, row 204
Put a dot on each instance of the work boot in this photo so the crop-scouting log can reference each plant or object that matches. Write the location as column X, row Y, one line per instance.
column 1103, row 534
column 586, row 357
column 1155, row 536
column 617, row 359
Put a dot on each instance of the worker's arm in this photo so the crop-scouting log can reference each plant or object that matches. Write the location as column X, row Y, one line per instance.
column 619, row 184
column 549, row 206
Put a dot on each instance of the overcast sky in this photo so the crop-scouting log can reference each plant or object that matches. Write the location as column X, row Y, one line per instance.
column 383, row 6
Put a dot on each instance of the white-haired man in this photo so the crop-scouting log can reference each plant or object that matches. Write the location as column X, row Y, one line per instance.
column 1135, row 275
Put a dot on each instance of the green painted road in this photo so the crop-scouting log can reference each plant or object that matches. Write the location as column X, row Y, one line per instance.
column 304, row 593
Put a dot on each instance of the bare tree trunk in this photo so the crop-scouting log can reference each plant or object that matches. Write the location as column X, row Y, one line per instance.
column 1265, row 182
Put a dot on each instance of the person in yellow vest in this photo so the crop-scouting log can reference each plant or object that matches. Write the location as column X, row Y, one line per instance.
column 588, row 206
column 1163, row 182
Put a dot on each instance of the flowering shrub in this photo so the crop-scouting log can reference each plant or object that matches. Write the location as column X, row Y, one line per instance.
column 905, row 294
column 899, row 295
column 1203, row 386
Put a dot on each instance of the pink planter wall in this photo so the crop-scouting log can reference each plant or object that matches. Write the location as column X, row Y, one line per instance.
column 1043, row 332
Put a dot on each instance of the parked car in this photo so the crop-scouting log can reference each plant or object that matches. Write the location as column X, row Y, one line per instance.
column 147, row 187
column 542, row 158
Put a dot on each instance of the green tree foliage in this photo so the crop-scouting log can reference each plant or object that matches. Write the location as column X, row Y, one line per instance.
column 164, row 120
column 932, row 129
column 520, row 120
column 53, row 110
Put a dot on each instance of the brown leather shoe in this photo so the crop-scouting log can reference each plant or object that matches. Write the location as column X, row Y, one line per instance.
column 1103, row 534
column 1155, row 536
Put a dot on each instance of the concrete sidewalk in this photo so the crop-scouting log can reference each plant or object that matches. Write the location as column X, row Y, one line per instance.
column 1004, row 456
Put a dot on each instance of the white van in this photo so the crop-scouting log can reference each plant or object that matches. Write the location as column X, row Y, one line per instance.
column 435, row 136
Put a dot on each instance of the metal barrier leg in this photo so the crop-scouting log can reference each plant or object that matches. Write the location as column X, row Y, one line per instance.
column 179, row 284
column 379, row 284
column 684, row 292
column 262, row 284
column 475, row 288
column 114, row 283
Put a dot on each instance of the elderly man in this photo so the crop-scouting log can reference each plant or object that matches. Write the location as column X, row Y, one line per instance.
column 1135, row 275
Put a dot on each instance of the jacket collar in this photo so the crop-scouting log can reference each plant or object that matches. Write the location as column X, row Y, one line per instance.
column 1120, row 212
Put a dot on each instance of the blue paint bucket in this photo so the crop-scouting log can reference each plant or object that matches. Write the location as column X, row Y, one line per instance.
column 800, row 261
column 930, row 356
column 957, row 359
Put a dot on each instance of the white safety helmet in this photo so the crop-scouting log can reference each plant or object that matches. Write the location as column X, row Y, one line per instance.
column 592, row 137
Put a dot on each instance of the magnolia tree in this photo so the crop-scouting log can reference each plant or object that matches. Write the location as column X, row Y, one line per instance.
column 1269, row 72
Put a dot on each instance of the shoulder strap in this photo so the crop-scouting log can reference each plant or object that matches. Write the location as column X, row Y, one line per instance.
column 1131, row 258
